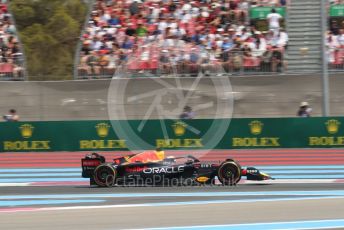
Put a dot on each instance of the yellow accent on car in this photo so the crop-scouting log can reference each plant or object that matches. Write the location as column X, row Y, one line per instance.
column 202, row 179
column 160, row 155
column 264, row 174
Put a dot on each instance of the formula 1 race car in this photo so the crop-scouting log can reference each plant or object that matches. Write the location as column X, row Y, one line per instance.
column 152, row 168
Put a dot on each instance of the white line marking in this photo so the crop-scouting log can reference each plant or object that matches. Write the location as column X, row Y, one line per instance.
column 14, row 184
column 277, row 181
column 164, row 204
column 309, row 224
column 290, row 181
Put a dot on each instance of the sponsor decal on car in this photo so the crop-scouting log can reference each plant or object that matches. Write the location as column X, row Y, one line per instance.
column 90, row 163
column 252, row 171
column 157, row 170
column 135, row 169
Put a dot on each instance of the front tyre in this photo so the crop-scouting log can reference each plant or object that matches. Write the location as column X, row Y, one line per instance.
column 104, row 175
column 229, row 173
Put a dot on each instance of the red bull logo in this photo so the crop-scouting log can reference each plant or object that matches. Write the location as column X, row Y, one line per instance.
column 135, row 169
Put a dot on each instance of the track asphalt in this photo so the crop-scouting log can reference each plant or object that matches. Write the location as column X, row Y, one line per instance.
column 61, row 199
column 84, row 207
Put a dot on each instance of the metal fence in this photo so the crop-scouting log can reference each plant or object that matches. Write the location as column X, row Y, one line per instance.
column 336, row 59
column 255, row 96
column 12, row 68
column 157, row 62
column 12, row 64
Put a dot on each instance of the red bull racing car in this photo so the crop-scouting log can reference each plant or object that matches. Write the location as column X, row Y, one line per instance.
column 152, row 168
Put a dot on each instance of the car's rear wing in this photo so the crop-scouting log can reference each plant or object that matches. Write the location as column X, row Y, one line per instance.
column 90, row 162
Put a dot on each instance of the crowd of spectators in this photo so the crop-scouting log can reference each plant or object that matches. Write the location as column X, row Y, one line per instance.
column 11, row 57
column 156, row 34
column 335, row 40
column 336, row 2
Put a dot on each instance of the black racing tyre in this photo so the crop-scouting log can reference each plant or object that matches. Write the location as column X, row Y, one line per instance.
column 229, row 173
column 104, row 175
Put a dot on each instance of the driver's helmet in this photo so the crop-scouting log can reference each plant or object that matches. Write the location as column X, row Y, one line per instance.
column 160, row 154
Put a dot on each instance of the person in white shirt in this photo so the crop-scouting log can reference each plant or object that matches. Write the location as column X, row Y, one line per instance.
column 274, row 20
column 145, row 54
column 155, row 12
column 96, row 43
column 283, row 39
column 12, row 116
column 195, row 12
column 162, row 25
column 332, row 45
column 172, row 23
column 239, row 28
column 186, row 17
column 244, row 7
column 187, row 6
column 260, row 45
column 340, row 37
column 305, row 110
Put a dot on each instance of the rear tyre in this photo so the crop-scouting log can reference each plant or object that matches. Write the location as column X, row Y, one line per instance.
column 104, row 175
column 229, row 173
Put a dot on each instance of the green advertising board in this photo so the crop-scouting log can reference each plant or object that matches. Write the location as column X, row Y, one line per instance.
column 262, row 12
column 172, row 134
column 337, row 11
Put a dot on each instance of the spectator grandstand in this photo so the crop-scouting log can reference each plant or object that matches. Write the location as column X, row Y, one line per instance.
column 11, row 59
column 179, row 36
column 335, row 35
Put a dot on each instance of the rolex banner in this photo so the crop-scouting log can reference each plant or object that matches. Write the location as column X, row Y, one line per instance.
column 172, row 134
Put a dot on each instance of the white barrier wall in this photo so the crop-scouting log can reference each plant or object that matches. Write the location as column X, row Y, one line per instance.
column 255, row 96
